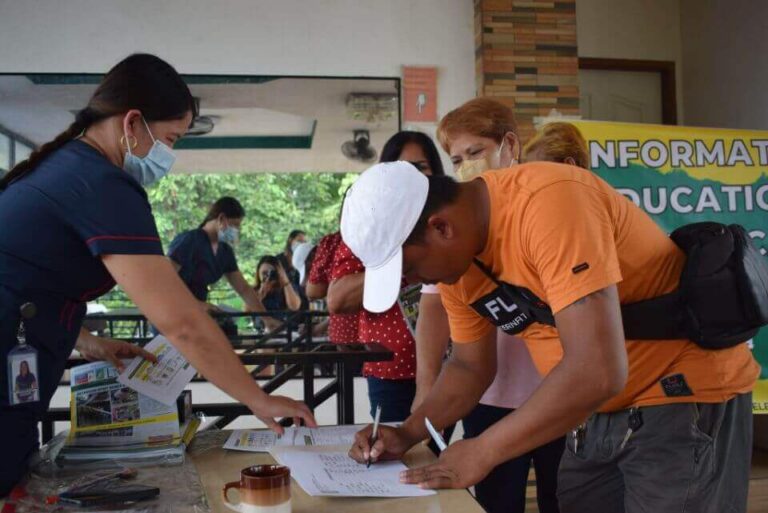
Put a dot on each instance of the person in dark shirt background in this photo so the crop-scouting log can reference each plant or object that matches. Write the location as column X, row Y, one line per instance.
column 275, row 290
column 285, row 258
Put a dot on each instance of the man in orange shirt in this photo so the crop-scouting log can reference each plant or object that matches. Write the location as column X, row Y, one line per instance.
column 672, row 430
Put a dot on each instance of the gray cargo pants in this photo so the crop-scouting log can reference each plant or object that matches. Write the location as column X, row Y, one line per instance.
column 685, row 458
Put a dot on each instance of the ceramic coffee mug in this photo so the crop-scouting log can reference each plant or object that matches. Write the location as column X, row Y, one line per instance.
column 263, row 489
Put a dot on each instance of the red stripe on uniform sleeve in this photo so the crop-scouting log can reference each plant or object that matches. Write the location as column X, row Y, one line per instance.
column 122, row 237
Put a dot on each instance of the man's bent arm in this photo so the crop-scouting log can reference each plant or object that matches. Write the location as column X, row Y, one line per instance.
column 593, row 370
column 466, row 375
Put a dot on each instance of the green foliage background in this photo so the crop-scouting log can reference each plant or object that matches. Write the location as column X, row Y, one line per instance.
column 274, row 204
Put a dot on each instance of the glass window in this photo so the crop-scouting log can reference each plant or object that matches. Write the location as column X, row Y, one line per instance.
column 21, row 152
column 5, row 153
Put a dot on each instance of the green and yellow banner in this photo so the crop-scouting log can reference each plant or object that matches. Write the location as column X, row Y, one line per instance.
column 682, row 175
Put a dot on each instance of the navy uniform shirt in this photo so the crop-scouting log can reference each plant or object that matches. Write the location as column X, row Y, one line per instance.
column 200, row 267
column 55, row 224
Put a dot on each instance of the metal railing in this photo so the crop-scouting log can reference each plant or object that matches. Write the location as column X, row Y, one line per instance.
column 293, row 353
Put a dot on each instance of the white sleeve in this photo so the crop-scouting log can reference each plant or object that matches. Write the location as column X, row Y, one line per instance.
column 429, row 289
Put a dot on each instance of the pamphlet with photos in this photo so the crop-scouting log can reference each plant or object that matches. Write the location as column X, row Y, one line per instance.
column 106, row 413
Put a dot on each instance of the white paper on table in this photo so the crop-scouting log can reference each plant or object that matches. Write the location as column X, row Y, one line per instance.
column 162, row 381
column 263, row 441
column 329, row 471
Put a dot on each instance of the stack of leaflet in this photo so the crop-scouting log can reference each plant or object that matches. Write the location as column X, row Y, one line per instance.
column 113, row 422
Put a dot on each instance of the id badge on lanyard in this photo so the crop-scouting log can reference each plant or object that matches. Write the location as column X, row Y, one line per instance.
column 23, row 375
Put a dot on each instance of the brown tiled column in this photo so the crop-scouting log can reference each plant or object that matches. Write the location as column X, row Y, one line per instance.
column 526, row 56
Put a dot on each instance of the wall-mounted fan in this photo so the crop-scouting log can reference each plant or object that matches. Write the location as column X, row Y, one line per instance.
column 201, row 125
column 359, row 148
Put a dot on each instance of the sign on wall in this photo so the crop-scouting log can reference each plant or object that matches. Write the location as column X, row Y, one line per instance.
column 419, row 94
column 683, row 175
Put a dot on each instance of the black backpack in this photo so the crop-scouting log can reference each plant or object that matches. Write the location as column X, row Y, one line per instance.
column 722, row 299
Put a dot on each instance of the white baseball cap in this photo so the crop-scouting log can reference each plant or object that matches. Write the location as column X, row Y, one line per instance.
column 299, row 258
column 380, row 211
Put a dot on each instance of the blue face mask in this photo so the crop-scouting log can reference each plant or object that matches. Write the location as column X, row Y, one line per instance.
column 158, row 162
column 230, row 235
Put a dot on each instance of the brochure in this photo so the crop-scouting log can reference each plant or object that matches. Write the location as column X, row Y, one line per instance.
column 163, row 381
column 105, row 412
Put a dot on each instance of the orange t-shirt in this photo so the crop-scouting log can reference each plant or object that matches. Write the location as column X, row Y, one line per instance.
column 563, row 233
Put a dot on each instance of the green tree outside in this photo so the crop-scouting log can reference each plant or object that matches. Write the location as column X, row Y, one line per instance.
column 274, row 203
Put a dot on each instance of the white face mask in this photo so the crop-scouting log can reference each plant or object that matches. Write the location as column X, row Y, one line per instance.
column 470, row 169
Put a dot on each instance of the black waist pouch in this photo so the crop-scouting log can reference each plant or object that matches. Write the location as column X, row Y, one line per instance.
column 722, row 299
column 724, row 285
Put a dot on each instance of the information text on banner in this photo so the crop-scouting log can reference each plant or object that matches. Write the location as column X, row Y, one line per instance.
column 682, row 175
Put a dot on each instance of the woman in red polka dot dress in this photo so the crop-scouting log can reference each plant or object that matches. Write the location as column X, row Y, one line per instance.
column 342, row 328
column 390, row 384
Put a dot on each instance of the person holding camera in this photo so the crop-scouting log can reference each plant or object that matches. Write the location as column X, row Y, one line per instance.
column 274, row 289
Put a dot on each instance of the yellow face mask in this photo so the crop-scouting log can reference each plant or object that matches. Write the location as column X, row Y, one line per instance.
column 470, row 169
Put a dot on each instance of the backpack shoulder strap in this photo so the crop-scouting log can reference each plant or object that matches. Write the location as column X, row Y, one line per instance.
column 486, row 271
column 525, row 299
column 657, row 318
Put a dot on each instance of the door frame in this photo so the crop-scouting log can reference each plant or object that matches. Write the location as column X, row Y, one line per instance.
column 666, row 70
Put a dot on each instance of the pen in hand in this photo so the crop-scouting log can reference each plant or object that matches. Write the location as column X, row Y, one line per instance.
column 375, row 434
column 437, row 437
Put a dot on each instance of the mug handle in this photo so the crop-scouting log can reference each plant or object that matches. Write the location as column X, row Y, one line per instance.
column 225, row 499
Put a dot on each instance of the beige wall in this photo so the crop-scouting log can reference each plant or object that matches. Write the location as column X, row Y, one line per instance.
column 725, row 72
column 632, row 29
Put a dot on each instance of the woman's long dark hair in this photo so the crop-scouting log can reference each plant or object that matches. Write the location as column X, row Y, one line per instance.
column 140, row 81
column 394, row 147
column 266, row 259
column 291, row 237
column 229, row 206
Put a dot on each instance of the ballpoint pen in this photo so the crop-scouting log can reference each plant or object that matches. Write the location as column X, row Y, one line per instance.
column 439, row 441
column 375, row 434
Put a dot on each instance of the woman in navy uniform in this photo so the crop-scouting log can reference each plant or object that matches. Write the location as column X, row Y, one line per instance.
column 202, row 256
column 75, row 221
